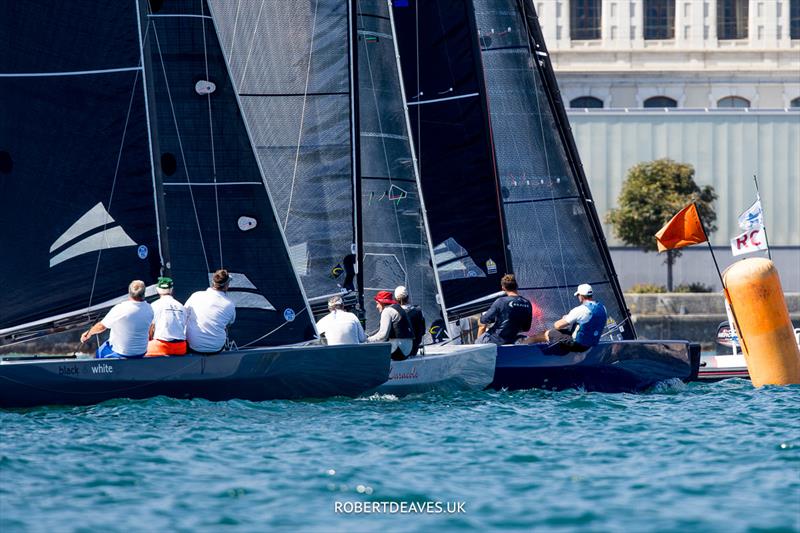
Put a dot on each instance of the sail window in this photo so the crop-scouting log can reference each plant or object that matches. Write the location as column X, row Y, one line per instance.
column 168, row 164
column 585, row 19
column 733, row 101
column 6, row 164
column 586, row 102
column 732, row 19
column 660, row 101
column 659, row 19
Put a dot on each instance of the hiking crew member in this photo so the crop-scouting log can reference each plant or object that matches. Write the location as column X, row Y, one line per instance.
column 208, row 315
column 588, row 320
column 509, row 316
column 395, row 326
column 168, row 330
column 129, row 322
column 340, row 326
column 415, row 316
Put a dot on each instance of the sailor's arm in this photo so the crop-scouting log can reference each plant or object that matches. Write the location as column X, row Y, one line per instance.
column 383, row 332
column 562, row 323
column 94, row 330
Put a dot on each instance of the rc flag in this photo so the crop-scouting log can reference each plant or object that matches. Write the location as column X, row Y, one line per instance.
column 753, row 217
column 684, row 229
column 748, row 242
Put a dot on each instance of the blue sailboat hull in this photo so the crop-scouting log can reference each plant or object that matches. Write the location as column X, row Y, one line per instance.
column 249, row 374
column 620, row 366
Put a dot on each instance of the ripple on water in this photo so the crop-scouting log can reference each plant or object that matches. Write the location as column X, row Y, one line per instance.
column 699, row 457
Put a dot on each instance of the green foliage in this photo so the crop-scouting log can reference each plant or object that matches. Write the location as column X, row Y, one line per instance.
column 647, row 288
column 652, row 194
column 693, row 287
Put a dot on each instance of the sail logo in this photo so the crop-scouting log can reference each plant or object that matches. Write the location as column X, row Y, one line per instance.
column 243, row 293
column 94, row 231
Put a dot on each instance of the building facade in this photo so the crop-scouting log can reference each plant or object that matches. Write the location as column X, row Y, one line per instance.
column 713, row 83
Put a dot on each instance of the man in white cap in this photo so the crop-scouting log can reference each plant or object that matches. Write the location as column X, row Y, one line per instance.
column 415, row 316
column 340, row 326
column 585, row 321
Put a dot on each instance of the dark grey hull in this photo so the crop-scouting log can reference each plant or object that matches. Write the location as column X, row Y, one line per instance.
column 621, row 366
column 250, row 374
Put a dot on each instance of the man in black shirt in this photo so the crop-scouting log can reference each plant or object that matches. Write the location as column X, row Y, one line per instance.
column 414, row 315
column 509, row 316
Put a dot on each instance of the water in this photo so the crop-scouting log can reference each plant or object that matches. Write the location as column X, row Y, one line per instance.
column 702, row 457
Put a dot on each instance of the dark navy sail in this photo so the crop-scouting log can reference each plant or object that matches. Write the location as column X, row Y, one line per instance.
column 441, row 71
column 290, row 63
column 396, row 245
column 77, row 215
column 217, row 209
column 555, row 239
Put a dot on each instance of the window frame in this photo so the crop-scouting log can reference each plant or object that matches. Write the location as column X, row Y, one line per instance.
column 586, row 98
column 661, row 10
column 586, row 20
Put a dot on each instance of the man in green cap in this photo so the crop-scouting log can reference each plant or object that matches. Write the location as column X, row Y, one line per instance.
column 168, row 330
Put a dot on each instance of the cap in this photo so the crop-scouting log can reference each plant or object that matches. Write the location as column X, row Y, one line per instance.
column 401, row 292
column 385, row 298
column 584, row 289
column 164, row 283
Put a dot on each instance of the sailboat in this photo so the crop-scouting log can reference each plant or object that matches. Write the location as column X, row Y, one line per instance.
column 494, row 140
column 351, row 208
column 125, row 156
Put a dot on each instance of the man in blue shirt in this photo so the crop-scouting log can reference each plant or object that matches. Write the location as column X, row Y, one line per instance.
column 509, row 316
column 582, row 327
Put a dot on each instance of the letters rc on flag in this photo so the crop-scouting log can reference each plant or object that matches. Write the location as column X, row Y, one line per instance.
column 748, row 242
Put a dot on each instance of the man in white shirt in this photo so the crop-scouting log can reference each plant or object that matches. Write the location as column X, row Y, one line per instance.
column 208, row 315
column 129, row 322
column 168, row 330
column 340, row 326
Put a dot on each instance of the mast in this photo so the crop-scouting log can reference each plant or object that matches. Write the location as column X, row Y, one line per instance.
column 355, row 139
column 544, row 66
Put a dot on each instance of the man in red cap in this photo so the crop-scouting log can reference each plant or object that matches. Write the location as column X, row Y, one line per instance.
column 395, row 326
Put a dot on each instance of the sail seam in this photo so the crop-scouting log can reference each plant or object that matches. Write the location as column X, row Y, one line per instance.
column 446, row 99
column 214, row 184
column 537, row 200
column 68, row 73
column 179, row 15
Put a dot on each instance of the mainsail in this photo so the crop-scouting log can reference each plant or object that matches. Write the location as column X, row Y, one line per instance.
column 395, row 235
column 290, row 62
column 449, row 121
column 127, row 137
column 555, row 241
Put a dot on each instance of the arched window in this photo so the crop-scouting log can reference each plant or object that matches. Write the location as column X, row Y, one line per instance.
column 733, row 101
column 660, row 101
column 795, row 102
column 586, row 102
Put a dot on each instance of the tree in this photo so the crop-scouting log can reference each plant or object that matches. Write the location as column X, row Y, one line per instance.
column 651, row 195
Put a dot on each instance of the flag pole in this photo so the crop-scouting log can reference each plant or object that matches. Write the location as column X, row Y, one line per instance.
column 721, row 280
column 766, row 237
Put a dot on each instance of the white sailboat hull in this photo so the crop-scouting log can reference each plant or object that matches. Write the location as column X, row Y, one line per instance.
column 442, row 368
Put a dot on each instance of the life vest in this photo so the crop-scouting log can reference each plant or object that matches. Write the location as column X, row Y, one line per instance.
column 402, row 329
column 417, row 321
column 590, row 331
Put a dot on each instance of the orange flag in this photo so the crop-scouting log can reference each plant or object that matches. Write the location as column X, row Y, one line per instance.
column 684, row 229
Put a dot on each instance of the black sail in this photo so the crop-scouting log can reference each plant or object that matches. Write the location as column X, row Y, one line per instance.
column 397, row 250
column 447, row 107
column 290, row 62
column 216, row 207
column 555, row 238
column 77, row 214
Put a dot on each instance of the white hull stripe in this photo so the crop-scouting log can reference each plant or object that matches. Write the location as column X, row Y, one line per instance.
column 71, row 73
column 459, row 97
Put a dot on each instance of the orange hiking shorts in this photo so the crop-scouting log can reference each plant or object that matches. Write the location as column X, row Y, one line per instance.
column 157, row 348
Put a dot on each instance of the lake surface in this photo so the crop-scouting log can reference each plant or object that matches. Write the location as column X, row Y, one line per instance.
column 699, row 457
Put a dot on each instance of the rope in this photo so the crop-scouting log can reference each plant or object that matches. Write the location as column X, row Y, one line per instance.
column 114, row 184
column 302, row 116
column 180, row 145
column 274, row 330
column 211, row 134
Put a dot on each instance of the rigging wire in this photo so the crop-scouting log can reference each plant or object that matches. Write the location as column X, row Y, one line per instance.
column 302, row 116
column 180, row 146
column 211, row 134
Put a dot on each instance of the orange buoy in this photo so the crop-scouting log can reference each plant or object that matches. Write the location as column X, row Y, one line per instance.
column 762, row 321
